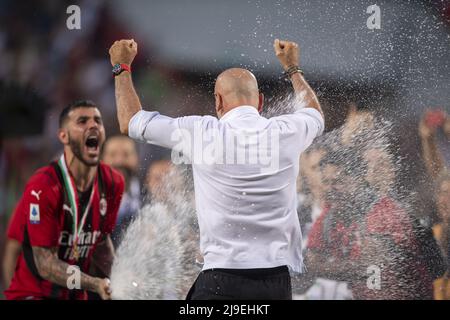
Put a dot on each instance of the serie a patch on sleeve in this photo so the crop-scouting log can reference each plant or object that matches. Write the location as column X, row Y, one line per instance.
column 35, row 217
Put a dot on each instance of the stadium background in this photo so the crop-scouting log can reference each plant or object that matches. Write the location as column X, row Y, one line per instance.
column 397, row 71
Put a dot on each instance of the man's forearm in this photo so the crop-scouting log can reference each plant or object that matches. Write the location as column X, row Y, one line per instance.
column 13, row 249
column 127, row 100
column 302, row 89
column 52, row 269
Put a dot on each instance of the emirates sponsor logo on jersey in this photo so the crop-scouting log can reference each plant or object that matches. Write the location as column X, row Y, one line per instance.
column 83, row 252
column 86, row 241
column 84, row 238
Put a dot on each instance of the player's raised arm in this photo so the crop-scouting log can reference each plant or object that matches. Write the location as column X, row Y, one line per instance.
column 122, row 54
column 148, row 126
column 288, row 54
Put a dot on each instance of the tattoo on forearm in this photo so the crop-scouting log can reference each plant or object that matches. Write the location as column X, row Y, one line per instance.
column 52, row 269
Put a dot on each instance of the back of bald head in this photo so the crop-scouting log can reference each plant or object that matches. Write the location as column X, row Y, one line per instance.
column 238, row 87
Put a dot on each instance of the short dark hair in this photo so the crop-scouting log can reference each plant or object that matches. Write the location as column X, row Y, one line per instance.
column 72, row 106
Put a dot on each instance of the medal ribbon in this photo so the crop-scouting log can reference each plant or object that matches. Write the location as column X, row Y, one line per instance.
column 73, row 201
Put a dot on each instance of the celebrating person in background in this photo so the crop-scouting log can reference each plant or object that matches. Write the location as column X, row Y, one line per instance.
column 434, row 132
column 70, row 209
column 441, row 232
column 435, row 143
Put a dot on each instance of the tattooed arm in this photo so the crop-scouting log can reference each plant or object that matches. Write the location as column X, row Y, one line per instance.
column 52, row 269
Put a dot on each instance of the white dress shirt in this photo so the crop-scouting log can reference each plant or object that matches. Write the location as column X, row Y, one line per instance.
column 245, row 168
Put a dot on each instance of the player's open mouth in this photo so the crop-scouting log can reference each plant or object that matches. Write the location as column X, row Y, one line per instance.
column 92, row 144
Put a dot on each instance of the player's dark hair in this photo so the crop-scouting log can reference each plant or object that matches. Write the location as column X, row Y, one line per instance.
column 72, row 106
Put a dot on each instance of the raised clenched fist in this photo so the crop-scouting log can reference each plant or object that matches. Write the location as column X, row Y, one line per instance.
column 287, row 52
column 123, row 51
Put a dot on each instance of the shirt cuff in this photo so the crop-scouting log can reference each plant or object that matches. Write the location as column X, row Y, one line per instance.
column 316, row 115
column 138, row 124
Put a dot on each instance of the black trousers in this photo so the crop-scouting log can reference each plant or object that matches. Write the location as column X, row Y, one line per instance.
column 242, row 284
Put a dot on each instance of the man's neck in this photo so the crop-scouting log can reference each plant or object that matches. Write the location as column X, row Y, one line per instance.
column 82, row 174
column 229, row 109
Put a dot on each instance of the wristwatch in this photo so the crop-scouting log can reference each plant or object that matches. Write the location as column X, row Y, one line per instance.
column 119, row 68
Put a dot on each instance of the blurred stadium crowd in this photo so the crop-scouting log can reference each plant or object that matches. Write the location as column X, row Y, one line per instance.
column 42, row 70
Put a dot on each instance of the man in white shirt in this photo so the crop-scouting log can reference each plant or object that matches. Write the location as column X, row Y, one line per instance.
column 245, row 168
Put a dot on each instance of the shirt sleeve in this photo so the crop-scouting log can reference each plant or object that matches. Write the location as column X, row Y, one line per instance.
column 110, row 221
column 163, row 131
column 307, row 123
column 17, row 223
column 40, row 205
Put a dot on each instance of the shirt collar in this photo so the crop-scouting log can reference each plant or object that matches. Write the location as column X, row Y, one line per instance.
column 238, row 111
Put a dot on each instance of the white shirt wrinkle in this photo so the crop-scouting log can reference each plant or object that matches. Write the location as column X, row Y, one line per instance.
column 246, row 213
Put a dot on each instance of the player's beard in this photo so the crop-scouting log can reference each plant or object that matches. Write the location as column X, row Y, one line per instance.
column 76, row 147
